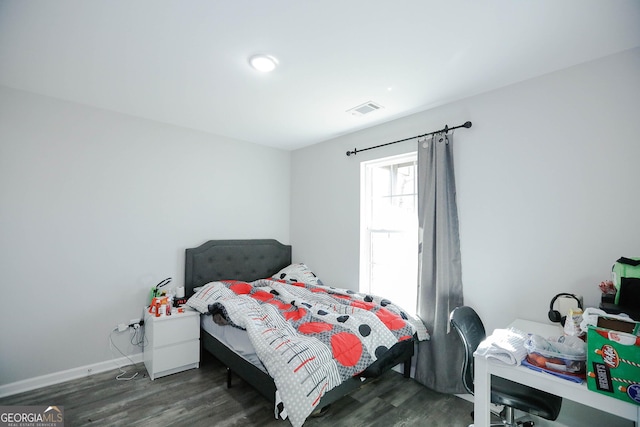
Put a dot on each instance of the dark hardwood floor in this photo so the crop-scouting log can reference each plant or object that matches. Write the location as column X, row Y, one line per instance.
column 199, row 397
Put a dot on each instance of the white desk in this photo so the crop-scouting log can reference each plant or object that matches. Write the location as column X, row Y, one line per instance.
column 566, row 389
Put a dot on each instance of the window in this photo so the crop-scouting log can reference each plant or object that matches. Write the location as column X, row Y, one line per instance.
column 389, row 229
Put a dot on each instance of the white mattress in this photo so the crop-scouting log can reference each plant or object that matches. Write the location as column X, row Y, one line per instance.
column 234, row 338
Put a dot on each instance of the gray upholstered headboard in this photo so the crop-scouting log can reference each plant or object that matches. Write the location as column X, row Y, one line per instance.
column 245, row 260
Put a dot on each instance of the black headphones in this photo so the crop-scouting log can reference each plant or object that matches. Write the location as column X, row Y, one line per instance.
column 554, row 315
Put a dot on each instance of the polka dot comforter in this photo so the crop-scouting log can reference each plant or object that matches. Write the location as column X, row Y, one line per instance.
column 309, row 337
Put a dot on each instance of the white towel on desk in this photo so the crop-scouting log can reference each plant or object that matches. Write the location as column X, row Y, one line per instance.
column 506, row 345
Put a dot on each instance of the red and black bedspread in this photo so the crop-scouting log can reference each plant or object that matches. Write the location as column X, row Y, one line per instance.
column 310, row 338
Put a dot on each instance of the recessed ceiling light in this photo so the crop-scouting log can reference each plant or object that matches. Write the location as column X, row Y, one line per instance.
column 263, row 63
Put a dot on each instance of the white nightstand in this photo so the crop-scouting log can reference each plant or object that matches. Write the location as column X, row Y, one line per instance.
column 173, row 343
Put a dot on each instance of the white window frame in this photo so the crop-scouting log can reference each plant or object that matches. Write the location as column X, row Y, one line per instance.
column 366, row 265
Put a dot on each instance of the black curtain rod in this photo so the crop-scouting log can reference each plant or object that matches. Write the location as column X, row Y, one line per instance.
column 445, row 130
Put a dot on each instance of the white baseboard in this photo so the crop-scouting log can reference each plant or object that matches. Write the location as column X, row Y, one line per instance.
column 70, row 374
column 468, row 397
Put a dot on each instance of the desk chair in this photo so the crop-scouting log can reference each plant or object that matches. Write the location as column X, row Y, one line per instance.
column 503, row 392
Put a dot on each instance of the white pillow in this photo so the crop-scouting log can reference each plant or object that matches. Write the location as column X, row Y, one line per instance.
column 205, row 296
column 297, row 273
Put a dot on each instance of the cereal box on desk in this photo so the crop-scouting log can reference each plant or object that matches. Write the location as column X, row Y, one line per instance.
column 613, row 359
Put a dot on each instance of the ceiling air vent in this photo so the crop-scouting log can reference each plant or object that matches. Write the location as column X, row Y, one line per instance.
column 365, row 108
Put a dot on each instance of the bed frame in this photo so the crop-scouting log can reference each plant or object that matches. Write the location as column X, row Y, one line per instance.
column 249, row 260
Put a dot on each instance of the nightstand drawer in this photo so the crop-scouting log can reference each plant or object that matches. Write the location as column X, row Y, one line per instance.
column 173, row 356
column 174, row 329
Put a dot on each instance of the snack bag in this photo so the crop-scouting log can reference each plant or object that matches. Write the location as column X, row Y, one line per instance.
column 572, row 323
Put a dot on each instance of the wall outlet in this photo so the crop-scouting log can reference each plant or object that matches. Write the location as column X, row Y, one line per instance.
column 136, row 323
column 122, row 327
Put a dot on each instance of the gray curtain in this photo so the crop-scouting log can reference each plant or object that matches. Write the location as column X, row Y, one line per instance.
column 439, row 360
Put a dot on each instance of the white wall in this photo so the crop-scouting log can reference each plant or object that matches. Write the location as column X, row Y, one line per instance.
column 545, row 181
column 96, row 207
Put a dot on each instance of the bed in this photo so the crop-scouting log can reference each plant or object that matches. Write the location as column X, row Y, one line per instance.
column 221, row 267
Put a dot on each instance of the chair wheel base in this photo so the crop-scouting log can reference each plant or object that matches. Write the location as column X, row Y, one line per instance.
column 505, row 422
column 523, row 424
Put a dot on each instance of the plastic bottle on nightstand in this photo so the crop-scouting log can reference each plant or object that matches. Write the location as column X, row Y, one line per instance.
column 163, row 309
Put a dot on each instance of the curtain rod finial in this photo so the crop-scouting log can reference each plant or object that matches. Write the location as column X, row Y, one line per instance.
column 467, row 125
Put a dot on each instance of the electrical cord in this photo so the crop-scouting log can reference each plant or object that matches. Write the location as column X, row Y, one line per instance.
column 139, row 339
